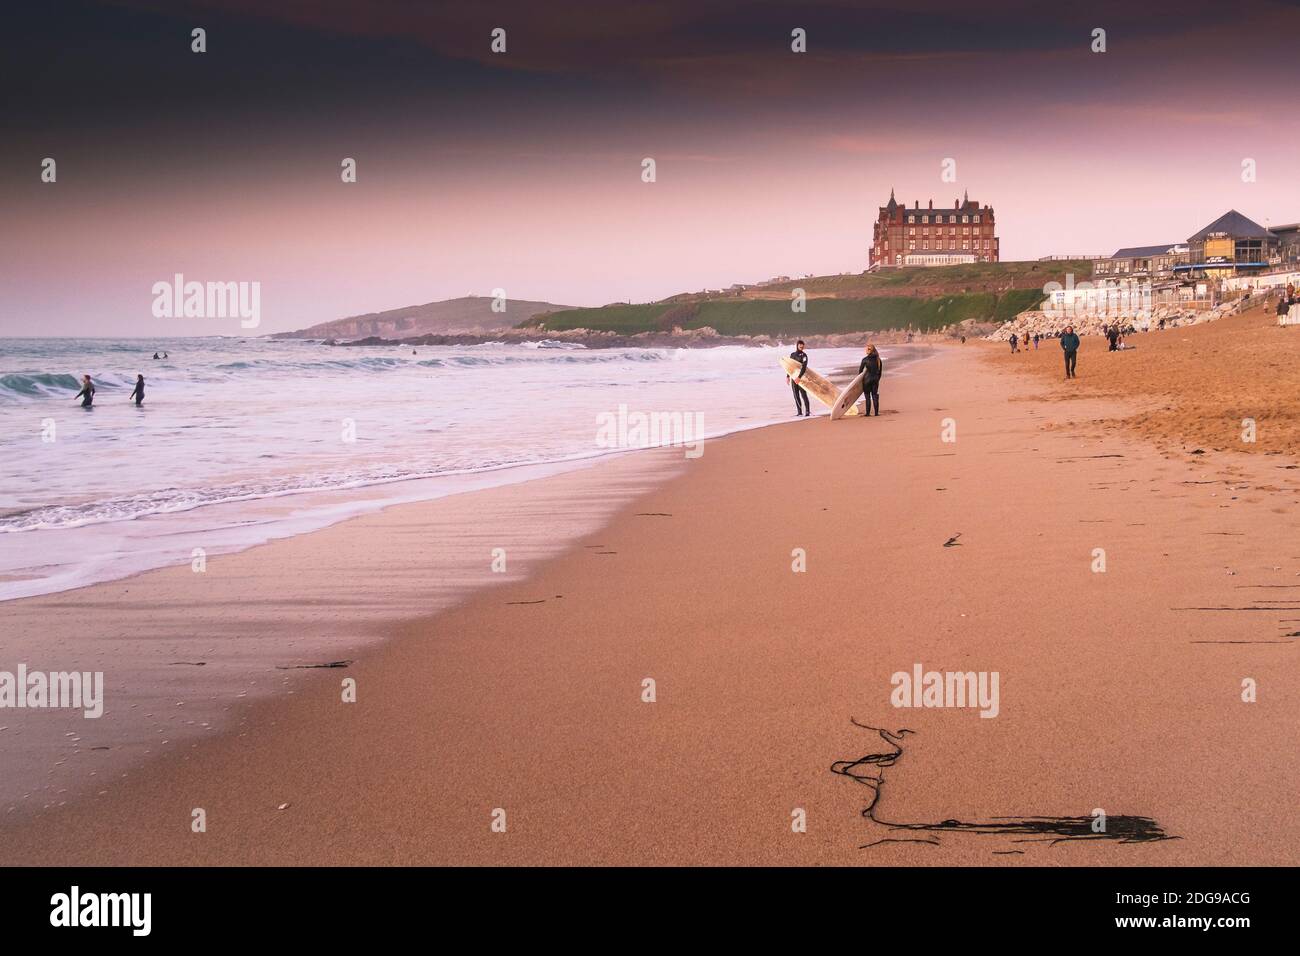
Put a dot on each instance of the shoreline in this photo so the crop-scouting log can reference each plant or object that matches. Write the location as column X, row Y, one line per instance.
column 153, row 531
column 518, row 698
column 151, row 631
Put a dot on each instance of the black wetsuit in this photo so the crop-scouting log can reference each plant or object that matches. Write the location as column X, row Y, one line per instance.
column 800, row 356
column 874, row 368
column 87, row 394
column 138, row 394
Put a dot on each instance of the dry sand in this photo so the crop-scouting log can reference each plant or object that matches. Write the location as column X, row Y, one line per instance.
column 1119, row 691
column 1192, row 387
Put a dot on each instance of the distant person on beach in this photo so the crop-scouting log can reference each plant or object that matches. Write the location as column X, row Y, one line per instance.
column 1014, row 342
column 1112, row 335
column 963, row 340
column 1070, row 346
column 871, row 369
column 800, row 356
column 138, row 394
column 1036, row 338
column 87, row 393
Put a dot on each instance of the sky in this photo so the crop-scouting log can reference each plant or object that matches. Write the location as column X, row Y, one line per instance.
column 522, row 170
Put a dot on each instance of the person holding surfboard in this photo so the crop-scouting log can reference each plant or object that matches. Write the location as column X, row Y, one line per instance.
column 871, row 368
column 800, row 356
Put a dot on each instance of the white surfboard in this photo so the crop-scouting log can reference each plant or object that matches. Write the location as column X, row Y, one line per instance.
column 815, row 385
column 848, row 398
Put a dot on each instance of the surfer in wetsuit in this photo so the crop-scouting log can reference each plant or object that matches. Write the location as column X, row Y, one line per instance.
column 871, row 368
column 800, row 356
column 87, row 393
column 138, row 394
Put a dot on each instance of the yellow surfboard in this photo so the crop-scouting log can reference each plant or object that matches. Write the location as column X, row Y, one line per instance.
column 816, row 386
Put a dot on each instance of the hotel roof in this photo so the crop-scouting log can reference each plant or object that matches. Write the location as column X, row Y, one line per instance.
column 1236, row 225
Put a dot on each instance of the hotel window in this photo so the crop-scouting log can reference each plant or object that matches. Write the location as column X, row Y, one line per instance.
column 911, row 219
column 911, row 232
column 925, row 243
column 965, row 218
column 952, row 218
column 952, row 243
column 952, row 230
column 911, row 244
column 965, row 230
column 925, row 219
column 977, row 218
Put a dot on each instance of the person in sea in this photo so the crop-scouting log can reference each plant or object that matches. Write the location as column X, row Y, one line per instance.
column 1070, row 346
column 138, row 394
column 800, row 356
column 871, row 368
column 87, row 393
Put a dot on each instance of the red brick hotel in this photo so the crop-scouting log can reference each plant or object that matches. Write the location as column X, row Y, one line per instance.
column 933, row 237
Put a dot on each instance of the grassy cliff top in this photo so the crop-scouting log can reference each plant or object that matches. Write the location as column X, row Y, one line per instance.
column 924, row 299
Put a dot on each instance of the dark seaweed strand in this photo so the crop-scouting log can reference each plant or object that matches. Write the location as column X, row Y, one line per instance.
column 869, row 770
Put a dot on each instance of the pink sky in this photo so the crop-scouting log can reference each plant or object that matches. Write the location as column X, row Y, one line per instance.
column 766, row 166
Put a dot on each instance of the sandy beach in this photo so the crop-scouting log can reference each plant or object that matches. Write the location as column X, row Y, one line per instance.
column 1119, row 690
column 1192, row 387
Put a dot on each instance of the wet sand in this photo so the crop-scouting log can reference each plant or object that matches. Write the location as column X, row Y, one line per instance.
column 1119, row 690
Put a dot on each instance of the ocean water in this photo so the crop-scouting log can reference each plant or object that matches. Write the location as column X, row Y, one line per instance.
column 241, row 440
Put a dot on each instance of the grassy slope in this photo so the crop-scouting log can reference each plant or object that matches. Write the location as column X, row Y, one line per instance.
column 993, row 277
column 737, row 316
column 922, row 299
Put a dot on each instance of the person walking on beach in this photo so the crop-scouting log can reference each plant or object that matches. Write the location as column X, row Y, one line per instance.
column 1036, row 338
column 138, row 394
column 1014, row 342
column 800, row 356
column 87, row 393
column 871, row 368
column 1070, row 346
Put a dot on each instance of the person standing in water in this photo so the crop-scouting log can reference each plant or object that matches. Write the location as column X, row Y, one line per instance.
column 138, row 394
column 87, row 393
column 871, row 368
column 800, row 356
column 1070, row 346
